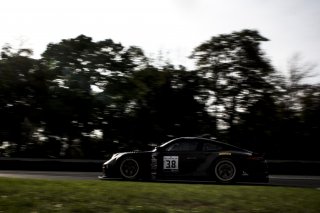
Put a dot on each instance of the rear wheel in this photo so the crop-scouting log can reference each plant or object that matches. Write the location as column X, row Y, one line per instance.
column 129, row 169
column 225, row 171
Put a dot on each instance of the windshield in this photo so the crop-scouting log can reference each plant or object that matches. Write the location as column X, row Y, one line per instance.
column 164, row 144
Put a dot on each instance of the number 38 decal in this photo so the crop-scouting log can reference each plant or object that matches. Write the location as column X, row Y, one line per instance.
column 170, row 162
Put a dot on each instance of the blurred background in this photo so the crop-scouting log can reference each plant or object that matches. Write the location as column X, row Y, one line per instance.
column 183, row 69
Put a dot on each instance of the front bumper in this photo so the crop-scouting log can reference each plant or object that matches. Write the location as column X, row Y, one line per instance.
column 109, row 169
column 101, row 177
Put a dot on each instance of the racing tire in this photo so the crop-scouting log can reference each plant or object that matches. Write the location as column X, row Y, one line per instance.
column 129, row 169
column 225, row 171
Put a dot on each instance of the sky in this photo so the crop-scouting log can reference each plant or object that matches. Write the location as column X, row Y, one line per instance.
column 171, row 28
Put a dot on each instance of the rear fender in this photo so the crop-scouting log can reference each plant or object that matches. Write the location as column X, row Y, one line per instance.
column 237, row 160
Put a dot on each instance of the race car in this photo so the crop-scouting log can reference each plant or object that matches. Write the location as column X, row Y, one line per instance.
column 189, row 158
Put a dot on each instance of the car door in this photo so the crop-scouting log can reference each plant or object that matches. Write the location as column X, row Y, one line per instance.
column 209, row 152
column 179, row 159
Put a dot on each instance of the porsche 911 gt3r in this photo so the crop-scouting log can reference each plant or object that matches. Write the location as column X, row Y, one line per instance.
column 189, row 157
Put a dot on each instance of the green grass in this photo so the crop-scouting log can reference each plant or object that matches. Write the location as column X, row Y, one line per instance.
column 19, row 195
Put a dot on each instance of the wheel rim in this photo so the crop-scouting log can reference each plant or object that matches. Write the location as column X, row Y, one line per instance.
column 225, row 170
column 129, row 168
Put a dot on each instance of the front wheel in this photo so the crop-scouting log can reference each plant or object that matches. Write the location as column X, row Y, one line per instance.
column 129, row 169
column 225, row 171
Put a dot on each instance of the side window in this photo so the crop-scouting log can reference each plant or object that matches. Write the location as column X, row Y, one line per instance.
column 211, row 147
column 183, row 146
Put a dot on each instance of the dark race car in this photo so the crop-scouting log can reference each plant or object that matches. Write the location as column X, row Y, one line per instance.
column 189, row 157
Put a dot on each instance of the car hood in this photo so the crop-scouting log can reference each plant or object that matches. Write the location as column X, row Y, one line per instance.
column 120, row 154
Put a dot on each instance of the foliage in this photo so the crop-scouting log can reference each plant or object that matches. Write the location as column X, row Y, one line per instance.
column 238, row 74
column 88, row 99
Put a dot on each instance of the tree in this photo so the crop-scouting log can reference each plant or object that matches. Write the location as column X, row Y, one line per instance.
column 299, row 107
column 161, row 103
column 310, row 122
column 87, row 72
column 24, row 85
column 298, row 73
column 237, row 73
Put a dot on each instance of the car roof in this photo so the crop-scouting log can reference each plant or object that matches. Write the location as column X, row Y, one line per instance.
column 203, row 139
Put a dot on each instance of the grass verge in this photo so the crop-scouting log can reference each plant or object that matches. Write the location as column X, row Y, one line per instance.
column 19, row 195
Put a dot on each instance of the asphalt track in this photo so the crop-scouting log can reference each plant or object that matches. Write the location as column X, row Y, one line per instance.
column 275, row 180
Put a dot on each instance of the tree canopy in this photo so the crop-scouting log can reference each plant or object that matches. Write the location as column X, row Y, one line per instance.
column 88, row 99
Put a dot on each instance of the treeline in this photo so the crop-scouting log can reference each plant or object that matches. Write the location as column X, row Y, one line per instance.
column 87, row 99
